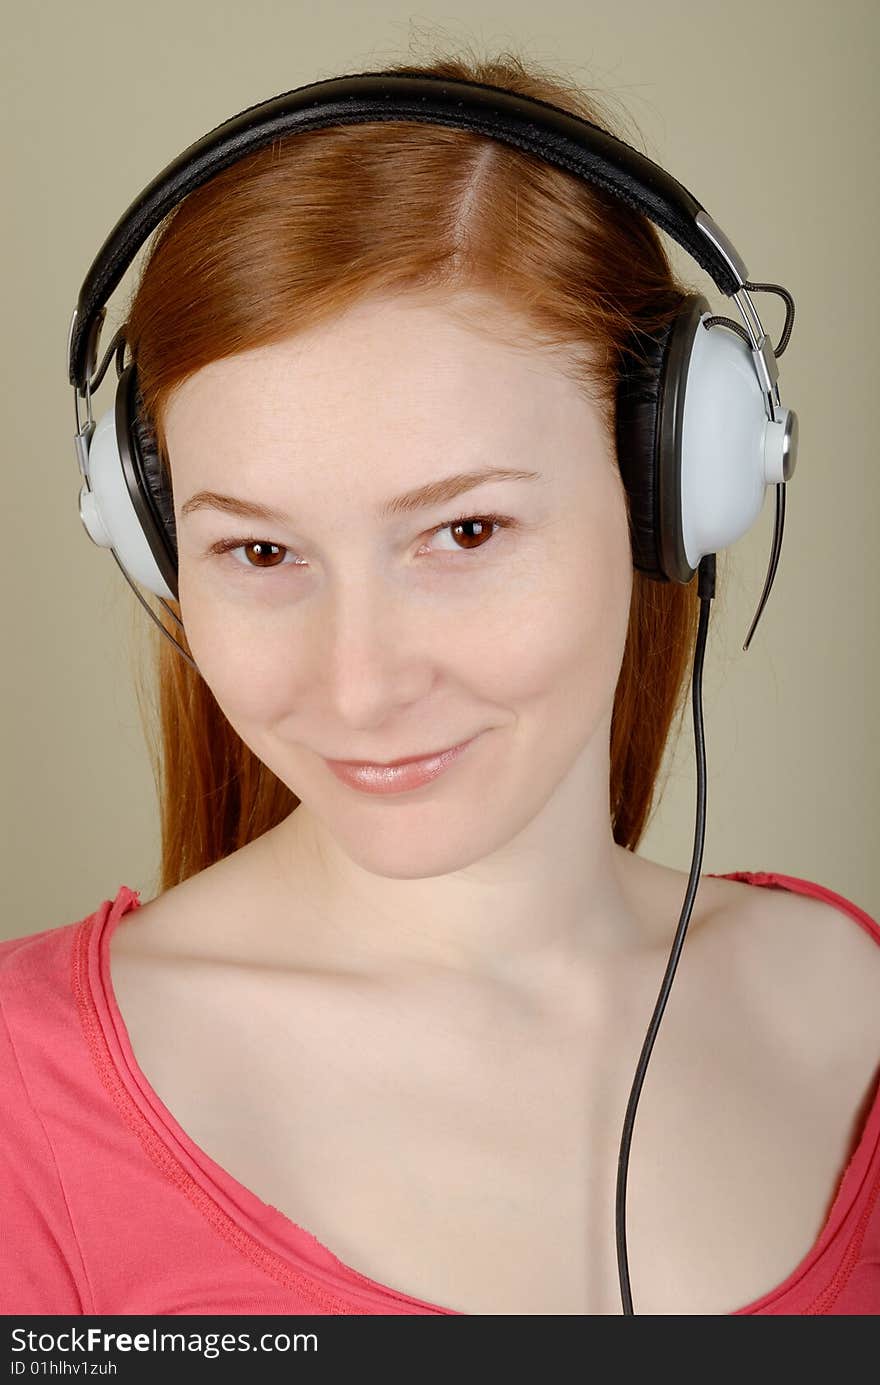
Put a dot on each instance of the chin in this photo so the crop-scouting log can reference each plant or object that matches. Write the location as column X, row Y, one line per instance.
column 418, row 856
column 397, row 850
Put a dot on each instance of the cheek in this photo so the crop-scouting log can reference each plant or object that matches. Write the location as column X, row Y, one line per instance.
column 246, row 673
column 567, row 644
column 566, row 632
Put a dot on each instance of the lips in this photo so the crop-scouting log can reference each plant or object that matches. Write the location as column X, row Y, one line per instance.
column 397, row 777
column 392, row 764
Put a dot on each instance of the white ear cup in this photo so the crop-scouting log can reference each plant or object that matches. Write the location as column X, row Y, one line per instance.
column 730, row 451
column 107, row 510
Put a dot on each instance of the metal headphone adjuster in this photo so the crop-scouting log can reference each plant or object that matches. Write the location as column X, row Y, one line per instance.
column 84, row 431
column 762, row 352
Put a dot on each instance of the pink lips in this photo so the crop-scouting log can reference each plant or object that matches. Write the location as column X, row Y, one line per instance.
column 396, row 778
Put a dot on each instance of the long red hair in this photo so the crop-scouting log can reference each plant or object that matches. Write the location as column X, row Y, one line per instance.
column 296, row 233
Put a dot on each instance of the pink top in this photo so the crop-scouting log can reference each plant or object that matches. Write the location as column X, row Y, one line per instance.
column 108, row 1207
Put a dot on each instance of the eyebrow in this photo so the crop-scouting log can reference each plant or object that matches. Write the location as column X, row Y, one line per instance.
column 432, row 493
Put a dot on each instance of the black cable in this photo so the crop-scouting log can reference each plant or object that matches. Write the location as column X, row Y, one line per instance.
column 706, row 589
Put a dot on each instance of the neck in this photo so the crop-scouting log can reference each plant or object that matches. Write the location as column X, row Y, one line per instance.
column 557, row 899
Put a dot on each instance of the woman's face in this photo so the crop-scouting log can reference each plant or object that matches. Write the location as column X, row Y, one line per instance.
column 353, row 626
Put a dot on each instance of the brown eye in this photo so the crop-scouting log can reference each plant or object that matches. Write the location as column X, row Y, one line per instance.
column 261, row 547
column 470, row 532
column 473, row 531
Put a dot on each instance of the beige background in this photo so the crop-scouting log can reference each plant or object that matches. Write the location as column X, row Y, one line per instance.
column 766, row 112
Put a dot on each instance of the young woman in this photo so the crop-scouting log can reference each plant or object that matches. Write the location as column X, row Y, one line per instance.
column 369, row 1048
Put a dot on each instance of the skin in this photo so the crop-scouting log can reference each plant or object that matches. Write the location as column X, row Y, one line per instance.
column 448, row 990
column 384, row 640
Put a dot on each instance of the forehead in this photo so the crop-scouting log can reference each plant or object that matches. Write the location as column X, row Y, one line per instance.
column 394, row 385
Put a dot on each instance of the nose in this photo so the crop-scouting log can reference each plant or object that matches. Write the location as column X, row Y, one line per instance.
column 375, row 647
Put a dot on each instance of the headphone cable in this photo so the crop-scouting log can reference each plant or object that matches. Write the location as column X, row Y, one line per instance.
column 706, row 589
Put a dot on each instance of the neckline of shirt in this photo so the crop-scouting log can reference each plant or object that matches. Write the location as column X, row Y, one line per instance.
column 286, row 1250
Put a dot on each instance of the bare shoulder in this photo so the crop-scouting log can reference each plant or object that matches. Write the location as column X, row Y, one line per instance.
column 199, row 918
column 810, row 973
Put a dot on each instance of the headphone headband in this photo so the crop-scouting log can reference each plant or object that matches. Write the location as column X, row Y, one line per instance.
column 529, row 124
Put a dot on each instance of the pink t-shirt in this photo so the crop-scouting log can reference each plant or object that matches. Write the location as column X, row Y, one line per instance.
column 108, row 1207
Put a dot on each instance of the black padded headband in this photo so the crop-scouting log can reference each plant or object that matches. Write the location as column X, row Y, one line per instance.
column 537, row 127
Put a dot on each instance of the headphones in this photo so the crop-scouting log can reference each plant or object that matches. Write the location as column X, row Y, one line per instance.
column 701, row 430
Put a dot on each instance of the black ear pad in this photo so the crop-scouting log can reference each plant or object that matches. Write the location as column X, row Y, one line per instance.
column 650, row 413
column 638, row 407
column 150, row 495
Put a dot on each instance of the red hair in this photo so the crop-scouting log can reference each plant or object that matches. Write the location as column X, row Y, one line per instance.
column 295, row 234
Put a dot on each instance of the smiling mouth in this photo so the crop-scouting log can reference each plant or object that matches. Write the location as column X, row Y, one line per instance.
column 392, row 764
column 415, row 773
